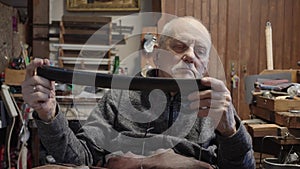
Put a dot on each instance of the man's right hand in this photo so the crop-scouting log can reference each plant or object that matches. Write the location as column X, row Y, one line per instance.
column 39, row 92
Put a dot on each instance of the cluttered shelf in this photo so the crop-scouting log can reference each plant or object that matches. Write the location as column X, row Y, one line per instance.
column 76, row 101
column 281, row 107
column 275, row 110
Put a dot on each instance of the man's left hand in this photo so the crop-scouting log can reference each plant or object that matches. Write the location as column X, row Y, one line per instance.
column 216, row 104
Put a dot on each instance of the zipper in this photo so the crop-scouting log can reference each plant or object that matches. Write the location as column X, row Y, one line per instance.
column 171, row 113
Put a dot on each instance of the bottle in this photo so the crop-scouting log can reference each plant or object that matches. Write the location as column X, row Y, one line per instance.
column 2, row 78
column 126, row 71
column 116, row 65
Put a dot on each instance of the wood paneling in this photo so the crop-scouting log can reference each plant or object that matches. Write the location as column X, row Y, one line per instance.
column 264, row 17
column 180, row 8
column 238, row 33
column 189, row 7
column 205, row 13
column 213, row 24
column 40, row 12
column 255, row 36
column 244, row 56
column 233, row 46
column 38, row 20
column 295, row 56
column 288, row 27
column 222, row 29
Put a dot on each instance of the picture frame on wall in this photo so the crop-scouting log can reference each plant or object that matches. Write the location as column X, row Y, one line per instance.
column 103, row 5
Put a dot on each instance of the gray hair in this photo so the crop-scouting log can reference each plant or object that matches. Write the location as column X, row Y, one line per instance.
column 193, row 27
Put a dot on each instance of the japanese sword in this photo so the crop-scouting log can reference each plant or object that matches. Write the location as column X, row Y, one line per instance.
column 118, row 81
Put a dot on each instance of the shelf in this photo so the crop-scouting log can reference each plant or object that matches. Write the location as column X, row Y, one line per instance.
column 89, row 61
column 77, row 47
column 74, row 49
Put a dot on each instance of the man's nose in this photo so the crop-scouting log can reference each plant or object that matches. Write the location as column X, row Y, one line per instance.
column 189, row 56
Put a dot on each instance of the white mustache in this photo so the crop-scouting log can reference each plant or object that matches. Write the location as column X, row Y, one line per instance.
column 183, row 65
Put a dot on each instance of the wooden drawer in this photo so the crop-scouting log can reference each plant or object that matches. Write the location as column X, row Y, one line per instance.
column 40, row 32
column 40, row 49
column 263, row 113
column 278, row 104
column 261, row 130
column 287, row 119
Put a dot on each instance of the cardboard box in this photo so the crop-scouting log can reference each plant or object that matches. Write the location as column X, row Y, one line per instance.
column 14, row 77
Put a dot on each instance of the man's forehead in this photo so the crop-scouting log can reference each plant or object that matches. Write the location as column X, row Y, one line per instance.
column 187, row 34
column 187, row 30
column 187, row 41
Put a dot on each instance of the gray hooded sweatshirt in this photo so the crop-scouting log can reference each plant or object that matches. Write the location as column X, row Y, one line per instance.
column 142, row 122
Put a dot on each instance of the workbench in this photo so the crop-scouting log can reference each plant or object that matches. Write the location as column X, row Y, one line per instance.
column 280, row 130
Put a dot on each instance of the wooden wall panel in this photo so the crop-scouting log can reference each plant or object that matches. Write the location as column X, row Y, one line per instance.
column 264, row 17
column 238, row 33
column 244, row 56
column 222, row 29
column 276, row 18
column 296, row 34
column 255, row 42
column 287, row 40
column 205, row 13
column 40, row 12
column 189, row 7
column 180, row 8
column 233, row 46
column 168, row 6
column 198, row 9
column 213, row 24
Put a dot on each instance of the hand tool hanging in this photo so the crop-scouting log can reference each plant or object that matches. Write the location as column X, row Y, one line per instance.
column 269, row 46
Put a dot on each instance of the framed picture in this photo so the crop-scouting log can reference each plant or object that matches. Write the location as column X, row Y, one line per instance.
column 103, row 5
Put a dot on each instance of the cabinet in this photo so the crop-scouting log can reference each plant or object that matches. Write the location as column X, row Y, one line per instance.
column 38, row 12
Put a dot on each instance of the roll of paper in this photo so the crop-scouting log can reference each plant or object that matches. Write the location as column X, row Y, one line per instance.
column 269, row 46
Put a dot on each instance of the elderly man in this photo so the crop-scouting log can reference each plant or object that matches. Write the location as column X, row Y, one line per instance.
column 151, row 129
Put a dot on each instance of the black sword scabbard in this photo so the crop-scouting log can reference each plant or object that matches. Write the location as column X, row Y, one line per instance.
column 117, row 81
